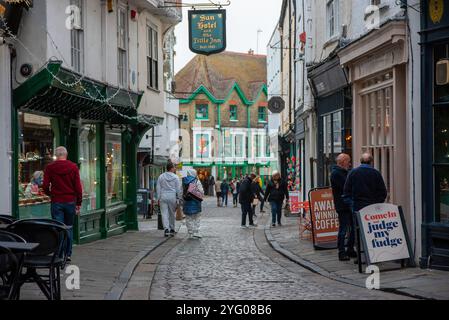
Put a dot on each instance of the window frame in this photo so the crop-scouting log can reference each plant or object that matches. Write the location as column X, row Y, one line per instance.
column 152, row 48
column 77, row 39
column 265, row 114
column 334, row 15
column 233, row 113
column 122, row 47
column 206, row 118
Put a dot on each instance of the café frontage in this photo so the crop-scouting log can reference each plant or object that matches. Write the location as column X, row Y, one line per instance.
column 101, row 129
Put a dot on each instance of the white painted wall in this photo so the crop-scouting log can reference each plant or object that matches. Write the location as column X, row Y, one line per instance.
column 5, row 130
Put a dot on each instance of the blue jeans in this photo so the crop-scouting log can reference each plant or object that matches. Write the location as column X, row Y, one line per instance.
column 346, row 223
column 276, row 211
column 224, row 196
column 65, row 213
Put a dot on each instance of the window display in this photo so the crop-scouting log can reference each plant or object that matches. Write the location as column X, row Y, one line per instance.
column 114, row 171
column 89, row 171
column 36, row 145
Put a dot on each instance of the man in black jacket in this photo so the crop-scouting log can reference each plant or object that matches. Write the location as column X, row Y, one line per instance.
column 276, row 193
column 365, row 185
column 246, row 197
column 338, row 179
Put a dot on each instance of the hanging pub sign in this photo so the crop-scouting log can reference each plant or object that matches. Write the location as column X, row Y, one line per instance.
column 207, row 31
column 384, row 233
column 324, row 218
column 276, row 104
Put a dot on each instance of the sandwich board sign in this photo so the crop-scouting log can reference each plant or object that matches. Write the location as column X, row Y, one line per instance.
column 324, row 218
column 384, row 233
column 207, row 31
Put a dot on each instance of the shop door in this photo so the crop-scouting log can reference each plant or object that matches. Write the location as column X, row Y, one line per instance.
column 330, row 145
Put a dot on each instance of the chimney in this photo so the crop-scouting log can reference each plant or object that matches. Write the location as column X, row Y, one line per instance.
column 251, row 52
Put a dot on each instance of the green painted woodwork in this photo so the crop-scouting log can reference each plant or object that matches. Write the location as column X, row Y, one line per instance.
column 203, row 90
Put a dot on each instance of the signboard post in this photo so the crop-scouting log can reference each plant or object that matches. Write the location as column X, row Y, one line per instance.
column 324, row 218
column 207, row 31
column 384, row 234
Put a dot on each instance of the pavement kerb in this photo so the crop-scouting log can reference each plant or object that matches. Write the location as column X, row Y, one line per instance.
column 119, row 287
column 318, row 270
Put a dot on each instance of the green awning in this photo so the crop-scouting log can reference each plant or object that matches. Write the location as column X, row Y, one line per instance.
column 56, row 91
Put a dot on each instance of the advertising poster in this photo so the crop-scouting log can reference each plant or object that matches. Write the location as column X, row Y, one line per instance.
column 294, row 202
column 324, row 218
column 383, row 233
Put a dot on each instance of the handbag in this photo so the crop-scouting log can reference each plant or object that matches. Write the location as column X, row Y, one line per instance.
column 256, row 202
column 193, row 192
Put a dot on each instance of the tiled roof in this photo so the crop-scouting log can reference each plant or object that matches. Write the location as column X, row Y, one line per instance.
column 219, row 72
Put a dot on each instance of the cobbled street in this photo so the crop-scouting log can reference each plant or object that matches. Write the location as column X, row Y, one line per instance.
column 234, row 263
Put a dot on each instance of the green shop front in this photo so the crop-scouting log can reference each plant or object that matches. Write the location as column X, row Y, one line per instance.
column 101, row 129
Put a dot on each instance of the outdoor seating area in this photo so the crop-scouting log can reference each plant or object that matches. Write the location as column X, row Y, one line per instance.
column 32, row 251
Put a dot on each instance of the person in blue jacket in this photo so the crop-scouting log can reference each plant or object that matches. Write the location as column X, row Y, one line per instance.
column 192, row 207
column 365, row 185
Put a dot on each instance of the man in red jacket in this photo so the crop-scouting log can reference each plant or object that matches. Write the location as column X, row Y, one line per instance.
column 62, row 183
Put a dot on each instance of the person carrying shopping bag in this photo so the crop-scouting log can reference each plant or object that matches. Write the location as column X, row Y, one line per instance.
column 193, row 195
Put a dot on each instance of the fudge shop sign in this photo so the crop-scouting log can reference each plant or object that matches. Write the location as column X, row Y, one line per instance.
column 384, row 233
column 207, row 31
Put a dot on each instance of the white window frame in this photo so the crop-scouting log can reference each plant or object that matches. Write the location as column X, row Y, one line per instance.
column 77, row 37
column 207, row 132
column 334, row 16
column 152, row 41
column 122, row 48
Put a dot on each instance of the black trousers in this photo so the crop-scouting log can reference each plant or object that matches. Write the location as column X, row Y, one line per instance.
column 247, row 211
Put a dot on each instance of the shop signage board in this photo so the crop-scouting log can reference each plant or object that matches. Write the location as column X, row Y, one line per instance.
column 294, row 202
column 383, row 233
column 324, row 218
column 276, row 104
column 207, row 31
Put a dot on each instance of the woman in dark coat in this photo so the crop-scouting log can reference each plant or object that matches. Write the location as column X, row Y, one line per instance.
column 276, row 193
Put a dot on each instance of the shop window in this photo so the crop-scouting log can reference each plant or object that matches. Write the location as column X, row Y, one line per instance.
column 377, row 137
column 36, row 146
column 233, row 113
column 239, row 145
column 89, row 167
column 202, row 112
column 202, row 146
column 442, row 194
column 227, row 143
column 262, row 114
column 114, row 167
column 441, row 66
column 332, row 133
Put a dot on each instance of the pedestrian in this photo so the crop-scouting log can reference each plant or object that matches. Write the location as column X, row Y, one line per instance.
column 169, row 191
column 218, row 191
column 235, row 192
column 346, row 225
column 246, row 197
column 258, row 193
column 211, row 186
column 192, row 207
column 364, row 185
column 276, row 193
column 63, row 184
column 224, row 192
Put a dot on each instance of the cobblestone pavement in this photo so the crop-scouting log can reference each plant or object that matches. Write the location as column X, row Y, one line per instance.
column 232, row 263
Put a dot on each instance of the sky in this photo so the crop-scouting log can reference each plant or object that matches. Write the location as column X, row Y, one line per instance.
column 244, row 19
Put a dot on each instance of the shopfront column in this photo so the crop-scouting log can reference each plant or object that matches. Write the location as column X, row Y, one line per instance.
column 5, row 131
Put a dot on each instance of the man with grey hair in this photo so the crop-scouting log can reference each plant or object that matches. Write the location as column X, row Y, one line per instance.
column 62, row 183
column 338, row 179
column 365, row 185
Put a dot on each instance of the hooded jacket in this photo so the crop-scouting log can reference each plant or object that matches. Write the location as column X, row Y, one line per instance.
column 273, row 194
column 192, row 206
column 62, row 182
column 168, row 183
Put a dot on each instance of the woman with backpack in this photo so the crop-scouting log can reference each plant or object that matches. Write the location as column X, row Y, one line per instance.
column 192, row 202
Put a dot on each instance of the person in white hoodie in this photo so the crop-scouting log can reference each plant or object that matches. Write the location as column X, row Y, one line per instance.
column 169, row 193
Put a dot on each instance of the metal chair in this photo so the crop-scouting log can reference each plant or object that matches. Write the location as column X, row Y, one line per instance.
column 9, row 273
column 6, row 236
column 49, row 255
column 6, row 220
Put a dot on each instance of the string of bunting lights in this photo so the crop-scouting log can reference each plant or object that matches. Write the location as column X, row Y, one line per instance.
column 78, row 81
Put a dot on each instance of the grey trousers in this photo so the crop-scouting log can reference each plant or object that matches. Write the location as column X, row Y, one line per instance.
column 168, row 211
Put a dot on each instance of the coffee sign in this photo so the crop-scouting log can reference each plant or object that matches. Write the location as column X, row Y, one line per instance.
column 207, row 31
